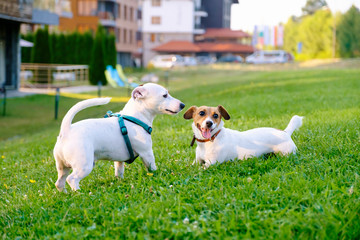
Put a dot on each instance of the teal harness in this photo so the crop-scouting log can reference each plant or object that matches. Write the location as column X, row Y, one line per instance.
column 124, row 131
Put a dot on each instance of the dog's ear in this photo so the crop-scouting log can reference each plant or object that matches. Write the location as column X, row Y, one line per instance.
column 223, row 112
column 139, row 92
column 190, row 112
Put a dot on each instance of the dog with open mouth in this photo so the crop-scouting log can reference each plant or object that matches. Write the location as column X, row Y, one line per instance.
column 215, row 143
column 120, row 137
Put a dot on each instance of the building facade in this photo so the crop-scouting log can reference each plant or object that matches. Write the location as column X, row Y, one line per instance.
column 12, row 14
column 163, row 21
column 118, row 17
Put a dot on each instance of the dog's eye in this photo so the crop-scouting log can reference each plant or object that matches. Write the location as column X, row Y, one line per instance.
column 165, row 95
column 201, row 113
column 215, row 115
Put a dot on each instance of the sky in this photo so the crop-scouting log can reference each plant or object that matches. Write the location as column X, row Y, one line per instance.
column 248, row 13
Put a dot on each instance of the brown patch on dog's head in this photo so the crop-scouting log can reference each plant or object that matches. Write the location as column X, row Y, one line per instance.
column 206, row 119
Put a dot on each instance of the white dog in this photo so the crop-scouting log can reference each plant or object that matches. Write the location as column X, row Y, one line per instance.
column 216, row 143
column 79, row 145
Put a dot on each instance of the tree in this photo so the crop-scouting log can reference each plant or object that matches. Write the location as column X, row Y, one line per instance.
column 84, row 49
column 97, row 64
column 52, row 44
column 41, row 50
column 348, row 33
column 60, row 44
column 291, row 35
column 26, row 51
column 71, row 48
column 316, row 34
column 312, row 6
column 110, row 50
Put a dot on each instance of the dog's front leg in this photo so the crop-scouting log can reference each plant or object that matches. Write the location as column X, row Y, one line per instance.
column 149, row 160
column 119, row 169
column 209, row 162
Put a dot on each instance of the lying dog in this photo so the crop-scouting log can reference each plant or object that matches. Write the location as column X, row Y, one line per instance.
column 79, row 145
column 215, row 143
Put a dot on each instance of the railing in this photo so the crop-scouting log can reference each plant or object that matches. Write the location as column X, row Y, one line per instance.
column 35, row 75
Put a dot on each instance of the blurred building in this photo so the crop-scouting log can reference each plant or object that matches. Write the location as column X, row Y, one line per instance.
column 219, row 13
column 216, row 42
column 164, row 21
column 12, row 14
column 119, row 17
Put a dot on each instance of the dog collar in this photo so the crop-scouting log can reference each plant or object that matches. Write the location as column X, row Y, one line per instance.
column 124, row 131
column 205, row 140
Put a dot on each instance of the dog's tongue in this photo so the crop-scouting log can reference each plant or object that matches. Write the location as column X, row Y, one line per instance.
column 206, row 133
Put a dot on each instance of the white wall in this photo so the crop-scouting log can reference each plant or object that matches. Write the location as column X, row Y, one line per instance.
column 177, row 16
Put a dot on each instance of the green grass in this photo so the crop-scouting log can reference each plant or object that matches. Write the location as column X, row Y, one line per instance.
column 312, row 195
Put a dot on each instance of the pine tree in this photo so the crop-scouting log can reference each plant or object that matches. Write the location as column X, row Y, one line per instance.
column 52, row 44
column 110, row 50
column 26, row 51
column 97, row 64
column 41, row 49
column 71, row 48
column 58, row 54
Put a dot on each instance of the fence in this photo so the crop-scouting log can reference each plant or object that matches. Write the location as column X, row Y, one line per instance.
column 35, row 75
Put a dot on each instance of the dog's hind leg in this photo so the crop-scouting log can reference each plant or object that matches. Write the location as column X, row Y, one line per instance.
column 81, row 168
column 119, row 169
column 78, row 173
column 63, row 172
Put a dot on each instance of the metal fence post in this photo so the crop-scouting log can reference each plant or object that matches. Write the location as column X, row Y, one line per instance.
column 57, row 98
column 4, row 100
column 99, row 88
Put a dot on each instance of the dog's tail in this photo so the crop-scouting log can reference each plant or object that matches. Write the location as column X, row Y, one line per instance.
column 66, row 122
column 295, row 123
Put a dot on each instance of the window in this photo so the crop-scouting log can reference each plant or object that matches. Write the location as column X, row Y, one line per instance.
column 131, row 18
column 152, row 37
column 125, row 12
column 155, row 20
column 119, row 11
column 118, row 35
column 156, row 3
column 87, row 8
column 124, row 35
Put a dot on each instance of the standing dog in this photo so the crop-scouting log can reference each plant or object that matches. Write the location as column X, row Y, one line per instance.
column 219, row 144
column 79, row 145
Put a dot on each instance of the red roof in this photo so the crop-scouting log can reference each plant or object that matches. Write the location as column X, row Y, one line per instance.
column 224, row 33
column 177, row 46
column 189, row 47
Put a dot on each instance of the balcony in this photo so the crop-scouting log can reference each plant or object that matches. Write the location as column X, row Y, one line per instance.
column 16, row 10
column 199, row 29
column 200, row 12
column 107, row 19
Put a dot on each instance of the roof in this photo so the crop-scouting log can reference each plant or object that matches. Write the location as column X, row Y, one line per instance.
column 177, row 46
column 224, row 33
column 189, row 47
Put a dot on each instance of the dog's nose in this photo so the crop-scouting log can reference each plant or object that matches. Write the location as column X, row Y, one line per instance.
column 182, row 105
column 209, row 124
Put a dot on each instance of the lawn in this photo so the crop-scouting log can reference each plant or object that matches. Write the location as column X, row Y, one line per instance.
column 312, row 195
